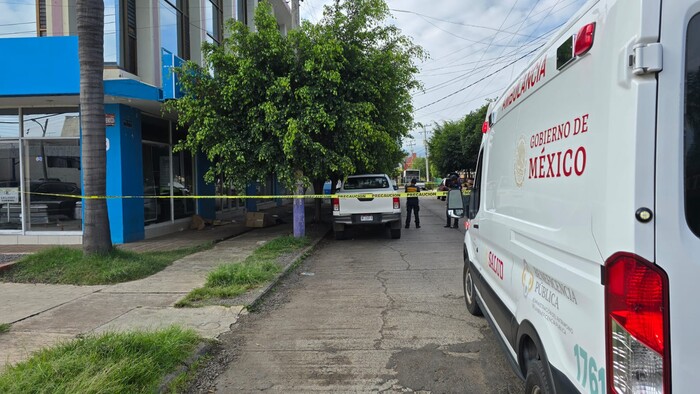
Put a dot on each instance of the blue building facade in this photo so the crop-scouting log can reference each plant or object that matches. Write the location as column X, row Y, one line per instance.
column 40, row 118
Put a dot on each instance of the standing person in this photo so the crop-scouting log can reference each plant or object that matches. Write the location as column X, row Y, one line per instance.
column 452, row 184
column 412, row 203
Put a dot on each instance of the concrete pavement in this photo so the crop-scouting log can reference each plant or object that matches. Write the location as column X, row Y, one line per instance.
column 43, row 315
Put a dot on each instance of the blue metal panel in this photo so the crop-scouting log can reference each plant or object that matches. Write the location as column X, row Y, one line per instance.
column 39, row 66
column 171, row 86
column 125, row 174
column 131, row 88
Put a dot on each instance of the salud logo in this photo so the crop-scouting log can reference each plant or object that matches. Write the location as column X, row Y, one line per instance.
column 520, row 164
column 527, row 279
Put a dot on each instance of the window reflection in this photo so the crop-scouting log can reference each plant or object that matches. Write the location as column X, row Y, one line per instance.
column 11, row 198
column 18, row 19
column 52, row 125
column 52, row 176
column 110, row 31
column 9, row 126
column 174, row 27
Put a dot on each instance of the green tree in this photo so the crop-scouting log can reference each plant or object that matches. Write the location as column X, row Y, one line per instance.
column 90, row 18
column 325, row 101
column 454, row 145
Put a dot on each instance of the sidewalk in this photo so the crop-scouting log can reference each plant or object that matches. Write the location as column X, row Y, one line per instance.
column 43, row 315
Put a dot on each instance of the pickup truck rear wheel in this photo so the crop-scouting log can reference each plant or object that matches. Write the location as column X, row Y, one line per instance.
column 395, row 233
column 339, row 235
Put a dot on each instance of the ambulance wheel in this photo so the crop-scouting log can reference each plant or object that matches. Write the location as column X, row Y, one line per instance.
column 536, row 381
column 469, row 293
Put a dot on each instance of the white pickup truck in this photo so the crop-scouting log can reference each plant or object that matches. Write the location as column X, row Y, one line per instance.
column 357, row 211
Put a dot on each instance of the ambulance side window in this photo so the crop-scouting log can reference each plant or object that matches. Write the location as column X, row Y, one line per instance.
column 476, row 189
column 692, row 126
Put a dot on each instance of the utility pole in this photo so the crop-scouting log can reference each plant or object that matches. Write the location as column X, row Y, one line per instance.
column 411, row 144
column 425, row 142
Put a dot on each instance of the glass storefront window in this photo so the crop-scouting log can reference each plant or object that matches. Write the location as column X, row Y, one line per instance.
column 183, row 184
column 11, row 198
column 41, row 125
column 18, row 19
column 52, row 171
column 156, row 182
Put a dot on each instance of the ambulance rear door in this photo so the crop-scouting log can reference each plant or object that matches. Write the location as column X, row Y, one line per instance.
column 677, row 211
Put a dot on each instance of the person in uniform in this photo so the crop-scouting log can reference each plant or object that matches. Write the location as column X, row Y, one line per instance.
column 412, row 203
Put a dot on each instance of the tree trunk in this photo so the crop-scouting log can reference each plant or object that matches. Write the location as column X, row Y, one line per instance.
column 318, row 189
column 96, row 234
column 298, row 212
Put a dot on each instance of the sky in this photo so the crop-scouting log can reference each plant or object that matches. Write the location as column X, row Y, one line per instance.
column 476, row 48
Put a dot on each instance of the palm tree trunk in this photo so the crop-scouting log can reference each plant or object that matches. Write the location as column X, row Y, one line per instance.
column 96, row 234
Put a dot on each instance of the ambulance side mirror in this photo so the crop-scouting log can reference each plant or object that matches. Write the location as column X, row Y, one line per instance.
column 455, row 204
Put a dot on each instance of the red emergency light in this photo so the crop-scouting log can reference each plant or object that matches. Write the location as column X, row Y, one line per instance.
column 485, row 127
column 584, row 39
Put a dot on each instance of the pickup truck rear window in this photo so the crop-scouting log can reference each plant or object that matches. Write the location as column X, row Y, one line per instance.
column 692, row 126
column 369, row 182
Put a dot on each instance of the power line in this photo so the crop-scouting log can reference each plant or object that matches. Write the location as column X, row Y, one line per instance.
column 454, row 53
column 474, row 83
column 456, row 23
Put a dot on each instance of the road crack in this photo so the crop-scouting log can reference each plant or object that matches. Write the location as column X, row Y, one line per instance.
column 403, row 257
column 391, row 305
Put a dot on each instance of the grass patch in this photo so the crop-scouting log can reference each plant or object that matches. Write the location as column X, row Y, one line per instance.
column 61, row 265
column 234, row 279
column 4, row 327
column 133, row 362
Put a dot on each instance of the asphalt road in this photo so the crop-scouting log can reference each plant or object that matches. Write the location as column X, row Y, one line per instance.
column 367, row 314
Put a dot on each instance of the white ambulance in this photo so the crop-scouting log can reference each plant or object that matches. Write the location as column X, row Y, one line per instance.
column 583, row 234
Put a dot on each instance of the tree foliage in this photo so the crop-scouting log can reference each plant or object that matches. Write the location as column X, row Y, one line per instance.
column 326, row 100
column 455, row 144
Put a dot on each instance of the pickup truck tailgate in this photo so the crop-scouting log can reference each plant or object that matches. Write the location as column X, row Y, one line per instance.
column 350, row 206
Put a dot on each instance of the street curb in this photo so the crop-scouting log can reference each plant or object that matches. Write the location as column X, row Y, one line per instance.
column 206, row 346
column 10, row 264
column 202, row 349
column 288, row 268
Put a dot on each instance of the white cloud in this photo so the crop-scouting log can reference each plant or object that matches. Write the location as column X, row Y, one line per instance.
column 505, row 30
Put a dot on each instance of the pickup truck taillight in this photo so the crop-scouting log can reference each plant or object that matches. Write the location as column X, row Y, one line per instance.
column 336, row 204
column 637, row 326
column 397, row 203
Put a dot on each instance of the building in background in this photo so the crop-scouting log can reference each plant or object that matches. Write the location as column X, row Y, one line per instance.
column 40, row 118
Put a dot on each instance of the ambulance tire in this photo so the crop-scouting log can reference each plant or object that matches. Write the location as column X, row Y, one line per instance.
column 536, row 381
column 469, row 294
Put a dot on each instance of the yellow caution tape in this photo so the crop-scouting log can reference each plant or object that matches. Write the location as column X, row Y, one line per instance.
column 286, row 196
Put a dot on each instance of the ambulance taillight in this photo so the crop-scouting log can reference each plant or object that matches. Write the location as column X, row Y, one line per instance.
column 637, row 326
